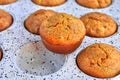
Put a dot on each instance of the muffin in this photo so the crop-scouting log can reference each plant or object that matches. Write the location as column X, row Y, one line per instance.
column 99, row 60
column 1, row 54
column 94, row 3
column 33, row 22
column 62, row 33
column 5, row 20
column 3, row 2
column 99, row 24
column 49, row 2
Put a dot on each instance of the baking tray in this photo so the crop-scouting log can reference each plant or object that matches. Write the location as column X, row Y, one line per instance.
column 26, row 58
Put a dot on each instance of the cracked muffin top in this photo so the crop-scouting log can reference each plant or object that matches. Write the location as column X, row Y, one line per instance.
column 94, row 3
column 62, row 28
column 49, row 2
column 33, row 22
column 99, row 60
column 3, row 2
column 99, row 24
column 5, row 20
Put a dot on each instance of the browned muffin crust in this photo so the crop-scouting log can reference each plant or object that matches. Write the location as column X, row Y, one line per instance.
column 5, row 20
column 94, row 3
column 99, row 60
column 33, row 22
column 49, row 2
column 3, row 2
column 62, row 33
column 99, row 24
column 1, row 54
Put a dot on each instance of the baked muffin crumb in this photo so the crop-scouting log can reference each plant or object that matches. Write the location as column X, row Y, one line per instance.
column 99, row 24
column 99, row 60
column 94, row 3
column 49, row 2
column 3, row 2
column 5, row 20
column 62, row 33
column 33, row 22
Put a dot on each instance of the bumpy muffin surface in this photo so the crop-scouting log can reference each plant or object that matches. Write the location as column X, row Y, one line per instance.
column 99, row 24
column 49, row 2
column 99, row 60
column 94, row 3
column 3, row 2
column 33, row 22
column 5, row 20
column 63, row 31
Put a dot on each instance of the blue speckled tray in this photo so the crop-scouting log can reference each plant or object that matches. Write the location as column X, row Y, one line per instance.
column 19, row 45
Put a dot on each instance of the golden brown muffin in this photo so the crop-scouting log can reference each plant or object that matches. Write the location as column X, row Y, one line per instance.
column 3, row 2
column 5, row 20
column 33, row 22
column 62, row 33
column 1, row 54
column 94, row 3
column 49, row 2
column 99, row 24
column 99, row 60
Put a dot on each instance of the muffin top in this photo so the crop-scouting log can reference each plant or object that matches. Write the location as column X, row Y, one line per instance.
column 5, row 20
column 99, row 24
column 62, row 28
column 99, row 60
column 33, row 22
column 49, row 2
column 94, row 3
column 3, row 2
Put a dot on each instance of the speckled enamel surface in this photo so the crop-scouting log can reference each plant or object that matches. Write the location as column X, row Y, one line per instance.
column 16, row 39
